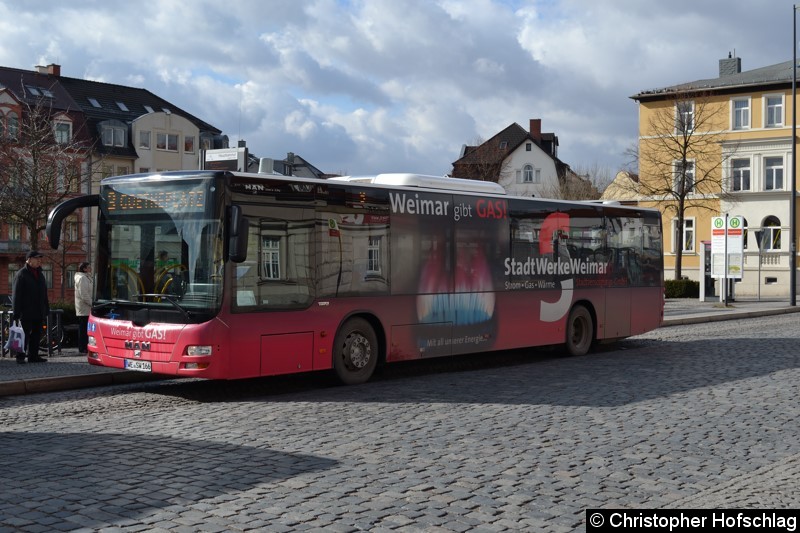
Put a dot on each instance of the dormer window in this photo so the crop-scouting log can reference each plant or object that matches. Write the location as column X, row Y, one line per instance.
column 94, row 103
column 63, row 131
column 34, row 90
column 148, row 109
column 122, row 106
column 113, row 134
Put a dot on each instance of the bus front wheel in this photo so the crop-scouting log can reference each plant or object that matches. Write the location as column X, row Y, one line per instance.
column 580, row 331
column 355, row 352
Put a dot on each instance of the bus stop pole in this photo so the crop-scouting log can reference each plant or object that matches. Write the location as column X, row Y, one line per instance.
column 725, row 274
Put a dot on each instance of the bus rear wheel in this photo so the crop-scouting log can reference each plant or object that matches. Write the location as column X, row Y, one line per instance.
column 355, row 352
column 580, row 331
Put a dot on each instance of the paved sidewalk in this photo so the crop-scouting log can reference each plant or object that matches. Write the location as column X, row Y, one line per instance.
column 65, row 369
column 69, row 370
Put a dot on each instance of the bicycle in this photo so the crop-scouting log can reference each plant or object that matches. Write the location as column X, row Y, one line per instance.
column 56, row 337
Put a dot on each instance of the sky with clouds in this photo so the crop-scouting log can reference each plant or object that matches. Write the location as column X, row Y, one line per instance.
column 366, row 86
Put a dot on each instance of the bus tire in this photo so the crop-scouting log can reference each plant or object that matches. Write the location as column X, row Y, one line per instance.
column 580, row 331
column 355, row 352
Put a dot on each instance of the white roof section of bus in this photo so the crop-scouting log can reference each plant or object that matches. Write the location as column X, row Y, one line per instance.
column 430, row 182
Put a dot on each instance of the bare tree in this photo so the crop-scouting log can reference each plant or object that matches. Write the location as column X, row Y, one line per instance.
column 483, row 161
column 582, row 183
column 37, row 170
column 680, row 159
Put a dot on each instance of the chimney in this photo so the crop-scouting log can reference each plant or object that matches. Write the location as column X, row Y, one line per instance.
column 52, row 69
column 730, row 66
column 536, row 129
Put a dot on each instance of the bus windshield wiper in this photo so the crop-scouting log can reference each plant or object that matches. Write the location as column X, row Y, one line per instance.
column 171, row 299
column 110, row 303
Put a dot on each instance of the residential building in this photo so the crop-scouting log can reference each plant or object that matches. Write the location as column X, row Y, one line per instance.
column 743, row 169
column 524, row 163
column 120, row 129
column 623, row 189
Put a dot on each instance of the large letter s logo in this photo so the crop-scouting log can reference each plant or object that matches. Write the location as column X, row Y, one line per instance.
column 552, row 225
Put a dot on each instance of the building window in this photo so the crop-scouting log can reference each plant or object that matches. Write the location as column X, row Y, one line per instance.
column 528, row 147
column 503, row 145
column 774, row 111
column 47, row 270
column 527, row 174
column 771, row 236
column 71, row 270
column 63, row 132
column 188, row 144
column 270, row 258
column 14, row 231
column 167, row 141
column 148, row 109
column 63, row 177
column 773, row 173
column 374, row 255
column 113, row 136
column 741, row 113
column 13, row 268
column 144, row 139
column 683, row 237
column 13, row 125
column 684, row 177
column 144, row 169
column 94, row 102
column 71, row 230
column 684, row 117
column 740, row 175
column 122, row 106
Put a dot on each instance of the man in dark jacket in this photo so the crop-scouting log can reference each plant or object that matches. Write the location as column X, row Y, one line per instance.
column 30, row 305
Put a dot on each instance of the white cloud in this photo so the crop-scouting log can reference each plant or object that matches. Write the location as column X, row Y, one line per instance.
column 378, row 85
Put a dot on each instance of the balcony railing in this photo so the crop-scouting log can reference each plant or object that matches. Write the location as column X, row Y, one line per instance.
column 14, row 246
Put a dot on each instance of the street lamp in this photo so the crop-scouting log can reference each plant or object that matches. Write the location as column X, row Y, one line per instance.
column 792, row 237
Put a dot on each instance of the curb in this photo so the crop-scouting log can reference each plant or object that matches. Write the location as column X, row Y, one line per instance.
column 81, row 381
column 734, row 315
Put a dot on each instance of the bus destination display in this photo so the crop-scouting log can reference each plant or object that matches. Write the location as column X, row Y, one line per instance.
column 156, row 201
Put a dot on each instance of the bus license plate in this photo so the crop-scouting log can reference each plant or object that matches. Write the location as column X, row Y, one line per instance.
column 140, row 366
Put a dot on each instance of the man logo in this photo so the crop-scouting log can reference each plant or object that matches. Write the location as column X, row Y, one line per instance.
column 136, row 345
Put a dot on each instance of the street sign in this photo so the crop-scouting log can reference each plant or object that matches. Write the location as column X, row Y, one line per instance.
column 727, row 239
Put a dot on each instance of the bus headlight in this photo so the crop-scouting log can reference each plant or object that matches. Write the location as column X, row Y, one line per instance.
column 92, row 341
column 198, row 350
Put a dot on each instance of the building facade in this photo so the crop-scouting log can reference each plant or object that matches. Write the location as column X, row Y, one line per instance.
column 735, row 132
column 524, row 163
column 117, row 130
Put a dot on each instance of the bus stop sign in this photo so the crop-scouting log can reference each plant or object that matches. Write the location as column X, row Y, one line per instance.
column 727, row 239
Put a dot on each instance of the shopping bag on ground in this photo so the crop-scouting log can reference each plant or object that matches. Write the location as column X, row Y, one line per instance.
column 16, row 338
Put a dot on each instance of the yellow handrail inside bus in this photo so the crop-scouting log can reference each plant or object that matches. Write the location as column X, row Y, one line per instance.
column 131, row 274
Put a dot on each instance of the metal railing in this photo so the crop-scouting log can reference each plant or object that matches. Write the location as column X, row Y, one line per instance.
column 52, row 338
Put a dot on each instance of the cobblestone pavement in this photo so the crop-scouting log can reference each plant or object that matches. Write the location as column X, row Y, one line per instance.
column 689, row 416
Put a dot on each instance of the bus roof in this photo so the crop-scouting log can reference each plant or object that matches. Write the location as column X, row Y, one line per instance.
column 429, row 182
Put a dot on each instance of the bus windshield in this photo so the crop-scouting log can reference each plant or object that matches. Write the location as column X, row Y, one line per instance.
column 160, row 249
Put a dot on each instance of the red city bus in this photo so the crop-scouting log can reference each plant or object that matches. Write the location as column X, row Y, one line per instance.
column 228, row 275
